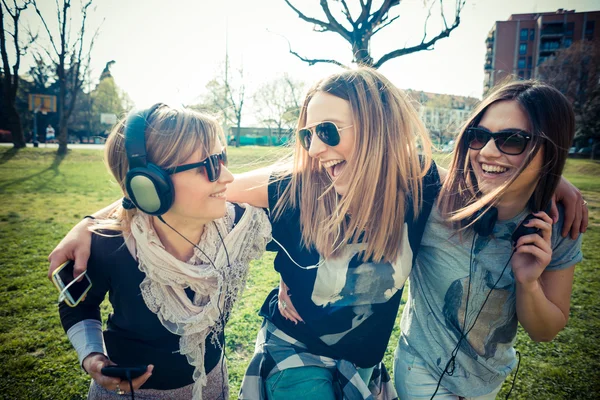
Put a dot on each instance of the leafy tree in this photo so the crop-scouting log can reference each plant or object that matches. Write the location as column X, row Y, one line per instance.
column 358, row 30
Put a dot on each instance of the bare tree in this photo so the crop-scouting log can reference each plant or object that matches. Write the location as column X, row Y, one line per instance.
column 277, row 102
column 72, row 60
column 227, row 97
column 10, row 76
column 359, row 31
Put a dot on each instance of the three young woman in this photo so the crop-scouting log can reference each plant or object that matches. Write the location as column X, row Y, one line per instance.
column 173, row 260
column 348, row 218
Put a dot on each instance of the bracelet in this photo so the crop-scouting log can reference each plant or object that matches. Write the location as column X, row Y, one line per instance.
column 89, row 216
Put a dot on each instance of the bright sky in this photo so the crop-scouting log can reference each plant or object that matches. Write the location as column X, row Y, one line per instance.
column 168, row 51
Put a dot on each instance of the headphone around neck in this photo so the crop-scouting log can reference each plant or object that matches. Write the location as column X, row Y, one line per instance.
column 148, row 186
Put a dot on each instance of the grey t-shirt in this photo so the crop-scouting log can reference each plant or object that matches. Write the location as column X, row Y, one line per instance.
column 434, row 315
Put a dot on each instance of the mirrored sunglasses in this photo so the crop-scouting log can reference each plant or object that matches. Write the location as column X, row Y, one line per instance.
column 326, row 131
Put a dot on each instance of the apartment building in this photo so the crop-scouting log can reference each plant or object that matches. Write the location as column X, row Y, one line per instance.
column 519, row 45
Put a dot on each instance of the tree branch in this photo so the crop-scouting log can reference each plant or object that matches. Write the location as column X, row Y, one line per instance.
column 384, row 25
column 333, row 23
column 347, row 13
column 423, row 45
column 366, row 11
column 315, row 21
column 37, row 10
column 379, row 15
column 427, row 21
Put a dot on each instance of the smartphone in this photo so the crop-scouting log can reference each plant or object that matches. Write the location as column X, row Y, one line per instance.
column 63, row 277
column 118, row 371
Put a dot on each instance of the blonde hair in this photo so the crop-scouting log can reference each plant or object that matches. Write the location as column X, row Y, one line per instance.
column 172, row 136
column 385, row 170
column 552, row 125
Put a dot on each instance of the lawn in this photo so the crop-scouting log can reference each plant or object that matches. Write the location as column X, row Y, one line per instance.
column 43, row 196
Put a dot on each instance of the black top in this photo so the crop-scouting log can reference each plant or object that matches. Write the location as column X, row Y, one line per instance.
column 348, row 306
column 134, row 335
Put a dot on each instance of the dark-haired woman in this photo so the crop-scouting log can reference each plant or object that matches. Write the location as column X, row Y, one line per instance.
column 468, row 295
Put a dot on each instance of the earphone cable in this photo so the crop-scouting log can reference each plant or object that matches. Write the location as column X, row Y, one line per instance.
column 454, row 353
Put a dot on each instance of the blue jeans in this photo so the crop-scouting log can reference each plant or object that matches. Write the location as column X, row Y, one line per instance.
column 414, row 381
column 310, row 383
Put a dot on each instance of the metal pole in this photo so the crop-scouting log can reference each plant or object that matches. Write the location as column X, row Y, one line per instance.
column 35, row 128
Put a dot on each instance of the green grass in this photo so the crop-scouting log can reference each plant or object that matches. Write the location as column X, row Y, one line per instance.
column 43, row 196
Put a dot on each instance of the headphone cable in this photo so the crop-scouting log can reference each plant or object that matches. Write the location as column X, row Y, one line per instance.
column 452, row 362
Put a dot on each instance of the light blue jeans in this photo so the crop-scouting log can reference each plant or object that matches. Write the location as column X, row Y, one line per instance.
column 414, row 381
column 310, row 383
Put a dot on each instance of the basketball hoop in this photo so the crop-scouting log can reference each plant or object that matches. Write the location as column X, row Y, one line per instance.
column 42, row 103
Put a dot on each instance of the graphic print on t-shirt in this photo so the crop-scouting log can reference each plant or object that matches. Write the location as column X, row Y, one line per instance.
column 492, row 326
column 348, row 282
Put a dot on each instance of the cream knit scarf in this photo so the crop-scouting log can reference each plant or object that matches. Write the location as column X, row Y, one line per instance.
column 163, row 288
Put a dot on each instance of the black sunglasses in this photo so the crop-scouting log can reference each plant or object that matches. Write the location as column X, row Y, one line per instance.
column 327, row 132
column 212, row 165
column 509, row 141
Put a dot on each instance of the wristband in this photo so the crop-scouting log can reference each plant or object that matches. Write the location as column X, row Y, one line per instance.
column 89, row 216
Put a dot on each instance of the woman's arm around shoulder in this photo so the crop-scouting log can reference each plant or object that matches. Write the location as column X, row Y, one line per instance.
column 251, row 187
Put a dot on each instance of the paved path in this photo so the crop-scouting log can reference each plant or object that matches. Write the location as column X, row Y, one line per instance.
column 55, row 146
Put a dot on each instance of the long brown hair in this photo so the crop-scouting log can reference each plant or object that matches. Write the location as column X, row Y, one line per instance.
column 552, row 124
column 385, row 170
column 172, row 136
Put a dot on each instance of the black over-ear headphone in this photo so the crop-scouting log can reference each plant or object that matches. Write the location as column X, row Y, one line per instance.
column 485, row 220
column 148, row 186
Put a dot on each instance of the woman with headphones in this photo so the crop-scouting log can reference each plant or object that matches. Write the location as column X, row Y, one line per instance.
column 173, row 258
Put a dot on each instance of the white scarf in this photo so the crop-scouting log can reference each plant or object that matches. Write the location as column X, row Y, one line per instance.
column 163, row 288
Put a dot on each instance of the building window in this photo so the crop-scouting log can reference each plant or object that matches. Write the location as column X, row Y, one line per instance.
column 570, row 28
column 529, row 62
column 521, row 75
column 524, row 33
column 567, row 42
column 550, row 46
column 589, row 28
column 531, row 34
column 523, row 48
column 521, row 63
column 541, row 60
column 528, row 74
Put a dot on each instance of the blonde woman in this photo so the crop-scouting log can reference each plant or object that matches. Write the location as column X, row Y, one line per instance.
column 173, row 268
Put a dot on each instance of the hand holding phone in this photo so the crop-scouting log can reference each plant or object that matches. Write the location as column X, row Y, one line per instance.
column 95, row 365
column 124, row 372
column 71, row 291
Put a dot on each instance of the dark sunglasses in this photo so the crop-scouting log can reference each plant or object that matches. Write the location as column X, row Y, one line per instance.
column 509, row 141
column 212, row 165
column 327, row 132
